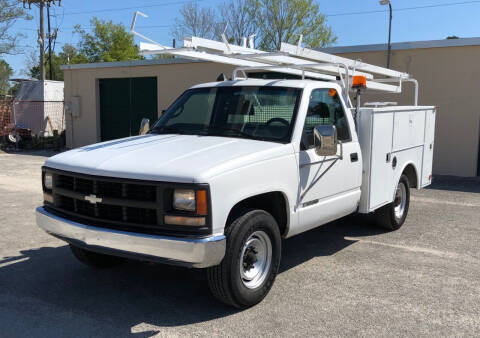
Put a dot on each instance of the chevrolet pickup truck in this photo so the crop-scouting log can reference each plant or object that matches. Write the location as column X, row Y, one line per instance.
column 230, row 170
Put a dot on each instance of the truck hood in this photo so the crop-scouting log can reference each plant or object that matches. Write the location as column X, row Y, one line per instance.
column 173, row 158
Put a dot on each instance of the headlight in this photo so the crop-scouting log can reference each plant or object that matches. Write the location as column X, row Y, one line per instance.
column 184, row 199
column 48, row 181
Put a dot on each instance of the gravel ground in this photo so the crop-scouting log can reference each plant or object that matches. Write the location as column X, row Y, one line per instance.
column 346, row 278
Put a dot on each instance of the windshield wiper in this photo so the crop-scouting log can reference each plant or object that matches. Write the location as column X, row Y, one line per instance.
column 213, row 131
column 237, row 131
column 166, row 130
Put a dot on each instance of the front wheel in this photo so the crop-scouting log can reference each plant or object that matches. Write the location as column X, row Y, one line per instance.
column 251, row 261
column 393, row 215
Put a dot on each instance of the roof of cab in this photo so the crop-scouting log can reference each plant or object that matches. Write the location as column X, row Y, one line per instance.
column 261, row 82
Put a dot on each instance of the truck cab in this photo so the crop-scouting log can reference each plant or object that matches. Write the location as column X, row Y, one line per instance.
column 230, row 170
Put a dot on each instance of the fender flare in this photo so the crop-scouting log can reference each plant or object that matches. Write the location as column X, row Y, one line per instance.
column 418, row 179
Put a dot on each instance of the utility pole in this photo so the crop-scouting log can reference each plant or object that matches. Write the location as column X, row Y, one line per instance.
column 41, row 34
column 41, row 40
column 49, row 44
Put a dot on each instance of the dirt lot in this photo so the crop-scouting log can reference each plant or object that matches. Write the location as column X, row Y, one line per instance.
column 343, row 279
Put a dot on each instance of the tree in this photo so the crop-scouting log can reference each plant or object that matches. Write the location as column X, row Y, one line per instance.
column 10, row 12
column 196, row 21
column 284, row 20
column 107, row 42
column 272, row 21
column 68, row 55
column 240, row 19
column 5, row 73
column 452, row 37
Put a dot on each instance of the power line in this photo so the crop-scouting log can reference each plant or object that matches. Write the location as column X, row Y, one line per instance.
column 72, row 28
column 448, row 4
column 35, row 47
column 327, row 15
column 130, row 8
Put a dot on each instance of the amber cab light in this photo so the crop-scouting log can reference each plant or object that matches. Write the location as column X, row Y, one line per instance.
column 359, row 81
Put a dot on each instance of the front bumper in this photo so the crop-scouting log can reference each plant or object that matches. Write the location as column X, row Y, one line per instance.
column 193, row 252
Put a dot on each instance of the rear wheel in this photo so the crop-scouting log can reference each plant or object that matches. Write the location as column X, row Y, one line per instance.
column 94, row 259
column 393, row 215
column 251, row 261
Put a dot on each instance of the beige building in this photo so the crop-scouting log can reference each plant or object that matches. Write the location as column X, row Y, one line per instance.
column 94, row 90
column 107, row 100
column 449, row 75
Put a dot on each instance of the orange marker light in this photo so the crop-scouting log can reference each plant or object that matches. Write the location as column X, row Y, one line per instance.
column 332, row 92
column 201, row 202
column 359, row 81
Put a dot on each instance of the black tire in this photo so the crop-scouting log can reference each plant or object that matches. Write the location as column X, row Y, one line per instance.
column 94, row 259
column 386, row 216
column 225, row 280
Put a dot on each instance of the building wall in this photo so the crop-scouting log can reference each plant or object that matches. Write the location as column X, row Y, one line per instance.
column 172, row 80
column 449, row 78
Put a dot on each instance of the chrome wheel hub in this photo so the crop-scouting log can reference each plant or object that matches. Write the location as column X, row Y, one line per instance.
column 400, row 201
column 255, row 259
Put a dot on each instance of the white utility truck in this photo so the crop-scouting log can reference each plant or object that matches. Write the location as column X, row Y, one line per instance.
column 233, row 167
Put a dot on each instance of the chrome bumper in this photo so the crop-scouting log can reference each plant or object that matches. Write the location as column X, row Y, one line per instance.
column 198, row 253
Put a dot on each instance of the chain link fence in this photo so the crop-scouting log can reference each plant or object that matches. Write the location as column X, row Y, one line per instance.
column 5, row 116
column 33, row 121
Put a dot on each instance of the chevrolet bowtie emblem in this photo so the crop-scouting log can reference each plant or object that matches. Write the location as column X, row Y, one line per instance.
column 93, row 199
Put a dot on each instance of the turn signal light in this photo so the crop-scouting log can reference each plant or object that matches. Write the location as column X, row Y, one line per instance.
column 184, row 220
column 359, row 81
column 48, row 197
column 201, row 202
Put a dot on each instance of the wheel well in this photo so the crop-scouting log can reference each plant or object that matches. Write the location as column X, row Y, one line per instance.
column 411, row 174
column 272, row 202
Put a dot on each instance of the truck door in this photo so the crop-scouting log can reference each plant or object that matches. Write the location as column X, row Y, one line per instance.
column 329, row 185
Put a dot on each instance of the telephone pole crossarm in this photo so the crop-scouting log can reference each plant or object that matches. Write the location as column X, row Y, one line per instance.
column 41, row 33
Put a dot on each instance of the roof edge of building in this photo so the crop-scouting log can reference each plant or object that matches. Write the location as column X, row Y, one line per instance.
column 475, row 41
column 404, row 45
column 132, row 63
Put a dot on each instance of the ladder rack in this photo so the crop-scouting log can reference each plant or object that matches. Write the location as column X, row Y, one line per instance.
column 290, row 59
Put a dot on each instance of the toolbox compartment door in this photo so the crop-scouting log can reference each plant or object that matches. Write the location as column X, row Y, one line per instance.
column 381, row 173
column 391, row 138
column 375, row 136
column 428, row 147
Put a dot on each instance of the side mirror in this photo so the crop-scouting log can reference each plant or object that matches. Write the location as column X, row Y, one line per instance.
column 144, row 126
column 325, row 140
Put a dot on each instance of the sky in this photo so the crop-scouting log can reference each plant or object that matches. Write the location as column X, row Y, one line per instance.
column 353, row 21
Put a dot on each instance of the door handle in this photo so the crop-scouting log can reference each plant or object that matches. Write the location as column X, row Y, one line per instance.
column 353, row 157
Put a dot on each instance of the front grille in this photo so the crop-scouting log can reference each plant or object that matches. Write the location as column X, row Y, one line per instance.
column 129, row 205
column 139, row 192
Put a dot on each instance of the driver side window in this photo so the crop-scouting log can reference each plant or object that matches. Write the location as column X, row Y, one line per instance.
column 325, row 108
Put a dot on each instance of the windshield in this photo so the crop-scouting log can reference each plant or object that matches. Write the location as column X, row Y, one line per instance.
column 261, row 113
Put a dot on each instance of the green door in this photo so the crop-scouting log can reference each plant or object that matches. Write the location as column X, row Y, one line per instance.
column 123, row 104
